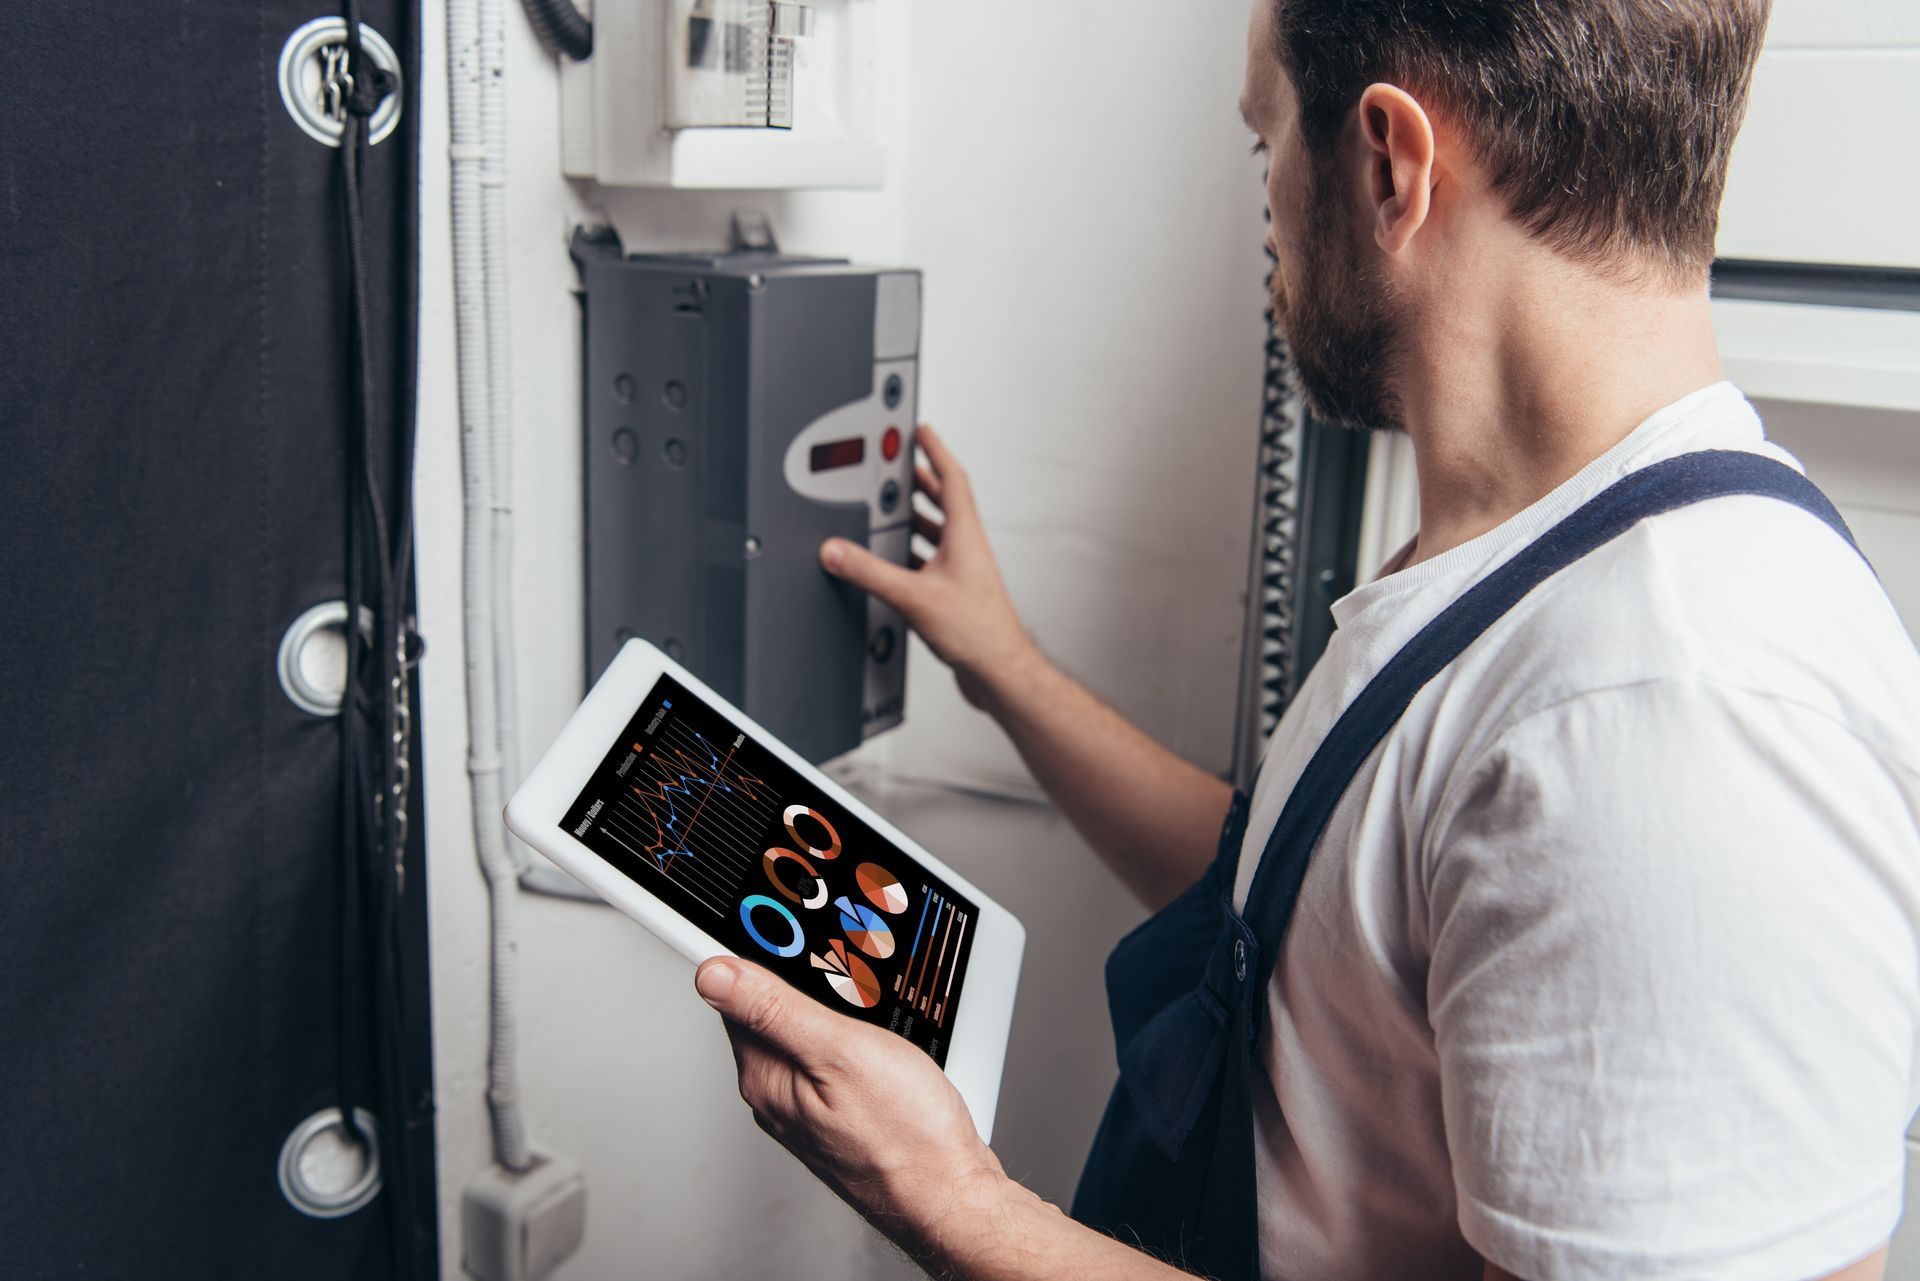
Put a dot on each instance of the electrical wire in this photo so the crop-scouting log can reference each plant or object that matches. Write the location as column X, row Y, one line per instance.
column 1268, row 668
column 1278, row 528
column 375, row 775
column 562, row 28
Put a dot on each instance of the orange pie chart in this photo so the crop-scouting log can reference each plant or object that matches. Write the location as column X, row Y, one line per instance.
column 882, row 888
column 849, row 976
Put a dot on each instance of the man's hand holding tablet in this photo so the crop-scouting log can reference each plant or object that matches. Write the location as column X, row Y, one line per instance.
column 680, row 811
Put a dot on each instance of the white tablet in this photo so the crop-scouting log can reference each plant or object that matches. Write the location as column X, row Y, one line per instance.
column 669, row 803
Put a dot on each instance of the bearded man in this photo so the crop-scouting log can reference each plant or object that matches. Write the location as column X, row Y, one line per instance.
column 1570, row 930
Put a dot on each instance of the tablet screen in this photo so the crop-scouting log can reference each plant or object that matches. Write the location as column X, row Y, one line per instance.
column 713, row 824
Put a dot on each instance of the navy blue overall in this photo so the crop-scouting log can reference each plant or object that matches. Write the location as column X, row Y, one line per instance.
column 1172, row 1167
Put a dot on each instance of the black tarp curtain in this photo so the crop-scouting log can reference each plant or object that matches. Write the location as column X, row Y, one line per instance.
column 173, row 396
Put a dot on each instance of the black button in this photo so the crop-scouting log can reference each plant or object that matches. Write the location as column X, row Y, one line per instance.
column 882, row 644
column 894, row 390
column 889, row 496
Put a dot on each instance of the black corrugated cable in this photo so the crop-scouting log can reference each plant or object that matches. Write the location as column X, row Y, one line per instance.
column 1275, row 527
column 562, row 28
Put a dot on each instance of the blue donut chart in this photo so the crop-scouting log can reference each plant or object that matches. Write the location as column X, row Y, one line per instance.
column 752, row 901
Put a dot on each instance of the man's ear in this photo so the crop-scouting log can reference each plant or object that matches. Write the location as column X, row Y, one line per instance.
column 1398, row 138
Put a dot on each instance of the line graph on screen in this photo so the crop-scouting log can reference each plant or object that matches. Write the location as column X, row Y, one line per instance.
column 692, row 815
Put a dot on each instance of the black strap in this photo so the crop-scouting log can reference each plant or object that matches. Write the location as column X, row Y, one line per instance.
column 1661, row 487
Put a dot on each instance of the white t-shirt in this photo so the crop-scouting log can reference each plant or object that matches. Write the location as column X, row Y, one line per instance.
column 1608, row 963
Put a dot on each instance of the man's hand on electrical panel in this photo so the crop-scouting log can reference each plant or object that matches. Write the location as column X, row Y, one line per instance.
column 954, row 599
column 1152, row 816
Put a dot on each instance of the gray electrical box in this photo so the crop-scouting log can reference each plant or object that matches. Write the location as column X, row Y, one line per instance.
column 740, row 409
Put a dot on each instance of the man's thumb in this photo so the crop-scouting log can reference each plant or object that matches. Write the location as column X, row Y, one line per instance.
column 762, row 1003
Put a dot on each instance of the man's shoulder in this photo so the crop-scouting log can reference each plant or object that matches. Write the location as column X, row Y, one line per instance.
column 1747, row 592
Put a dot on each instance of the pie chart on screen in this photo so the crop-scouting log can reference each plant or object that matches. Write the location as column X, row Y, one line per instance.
column 864, row 928
column 848, row 975
column 882, row 888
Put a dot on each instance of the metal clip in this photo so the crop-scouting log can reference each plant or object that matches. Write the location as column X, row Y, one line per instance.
column 336, row 82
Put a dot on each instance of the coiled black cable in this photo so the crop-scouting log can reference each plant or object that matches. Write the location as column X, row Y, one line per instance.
column 562, row 28
column 1276, row 525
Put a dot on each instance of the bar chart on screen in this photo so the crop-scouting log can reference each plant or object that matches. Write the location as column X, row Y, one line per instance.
column 691, row 814
column 925, row 983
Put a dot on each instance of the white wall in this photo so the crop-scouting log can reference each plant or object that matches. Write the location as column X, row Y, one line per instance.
column 1078, row 192
column 1816, row 176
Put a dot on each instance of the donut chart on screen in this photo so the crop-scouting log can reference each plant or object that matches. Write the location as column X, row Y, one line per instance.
column 792, row 946
column 832, row 848
column 848, row 975
column 864, row 928
column 812, row 891
column 882, row 888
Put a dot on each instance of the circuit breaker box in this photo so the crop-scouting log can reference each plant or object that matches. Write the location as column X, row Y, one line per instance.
column 741, row 408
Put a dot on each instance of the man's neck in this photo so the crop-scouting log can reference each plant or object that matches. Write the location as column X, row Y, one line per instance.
column 1523, row 380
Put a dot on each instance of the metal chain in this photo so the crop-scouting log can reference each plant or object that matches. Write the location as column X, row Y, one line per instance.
column 407, row 657
column 407, row 651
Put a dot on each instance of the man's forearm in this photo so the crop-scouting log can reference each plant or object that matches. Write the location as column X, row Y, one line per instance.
column 993, row 1229
column 1152, row 816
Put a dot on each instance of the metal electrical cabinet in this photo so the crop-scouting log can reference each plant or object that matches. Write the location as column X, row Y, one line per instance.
column 741, row 408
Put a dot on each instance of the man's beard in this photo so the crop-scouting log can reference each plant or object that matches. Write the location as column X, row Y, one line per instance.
column 1339, row 324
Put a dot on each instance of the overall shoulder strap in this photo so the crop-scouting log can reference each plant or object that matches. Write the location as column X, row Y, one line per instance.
column 1661, row 487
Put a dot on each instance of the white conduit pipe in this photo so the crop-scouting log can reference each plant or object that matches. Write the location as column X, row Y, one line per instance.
column 495, row 282
column 474, row 44
column 531, row 873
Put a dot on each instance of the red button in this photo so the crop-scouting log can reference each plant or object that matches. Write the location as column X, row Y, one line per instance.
column 890, row 444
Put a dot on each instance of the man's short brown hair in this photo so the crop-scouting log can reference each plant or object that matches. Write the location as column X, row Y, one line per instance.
column 1605, row 123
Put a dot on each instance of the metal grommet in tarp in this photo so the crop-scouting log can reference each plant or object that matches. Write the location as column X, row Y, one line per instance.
column 312, row 662
column 325, row 1172
column 305, row 83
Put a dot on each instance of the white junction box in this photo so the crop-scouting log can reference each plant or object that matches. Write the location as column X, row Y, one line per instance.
column 522, row 1226
column 726, row 94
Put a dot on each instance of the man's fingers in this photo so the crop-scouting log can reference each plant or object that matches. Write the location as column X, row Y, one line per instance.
column 925, row 482
column 946, row 468
column 868, row 572
column 928, row 528
column 769, row 1008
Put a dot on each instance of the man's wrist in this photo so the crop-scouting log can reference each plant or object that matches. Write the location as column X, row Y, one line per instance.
column 968, row 1214
column 1008, row 679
